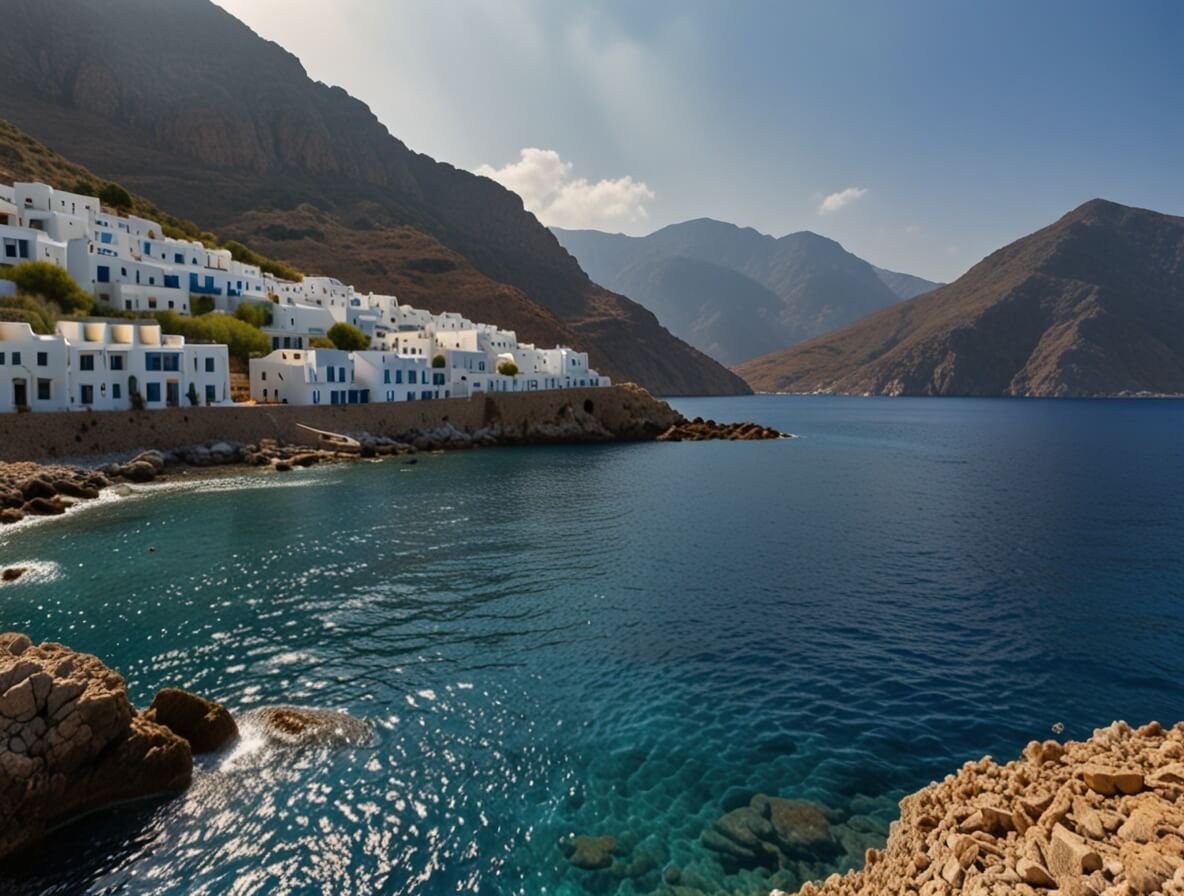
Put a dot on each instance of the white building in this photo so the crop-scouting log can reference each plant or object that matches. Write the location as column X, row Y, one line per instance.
column 107, row 365
column 128, row 263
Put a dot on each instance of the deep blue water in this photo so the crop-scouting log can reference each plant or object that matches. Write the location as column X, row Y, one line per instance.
column 620, row 639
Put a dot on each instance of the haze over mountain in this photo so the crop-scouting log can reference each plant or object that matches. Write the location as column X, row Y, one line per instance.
column 183, row 104
column 735, row 293
column 1091, row 305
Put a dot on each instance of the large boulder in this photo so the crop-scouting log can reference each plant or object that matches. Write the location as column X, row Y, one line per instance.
column 71, row 742
column 207, row 725
column 139, row 471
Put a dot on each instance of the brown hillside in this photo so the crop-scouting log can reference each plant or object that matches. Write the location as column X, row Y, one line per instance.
column 182, row 103
column 1091, row 305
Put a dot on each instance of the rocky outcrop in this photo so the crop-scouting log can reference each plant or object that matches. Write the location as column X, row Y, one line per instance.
column 71, row 742
column 29, row 489
column 206, row 725
column 700, row 430
column 1101, row 817
column 297, row 726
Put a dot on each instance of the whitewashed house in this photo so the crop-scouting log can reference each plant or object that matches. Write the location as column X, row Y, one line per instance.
column 317, row 376
column 108, row 365
column 32, row 370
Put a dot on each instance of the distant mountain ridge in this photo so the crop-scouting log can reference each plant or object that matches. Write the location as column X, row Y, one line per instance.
column 186, row 106
column 1091, row 305
column 733, row 292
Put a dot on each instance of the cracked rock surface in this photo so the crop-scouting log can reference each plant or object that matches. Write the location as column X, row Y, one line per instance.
column 1100, row 817
column 71, row 741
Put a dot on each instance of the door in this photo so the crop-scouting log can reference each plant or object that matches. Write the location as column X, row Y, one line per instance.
column 172, row 393
column 20, row 393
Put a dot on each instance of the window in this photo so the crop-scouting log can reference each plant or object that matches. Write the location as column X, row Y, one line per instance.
column 116, row 362
column 399, row 376
column 152, row 392
column 86, row 394
column 116, row 391
column 411, row 377
column 44, row 390
column 10, row 249
column 152, row 361
column 172, row 281
column 152, row 302
column 178, row 258
column 103, row 274
column 16, row 359
column 209, row 365
column 1, row 357
column 105, row 238
column 86, row 362
column 341, row 374
column 332, row 374
column 43, row 359
column 386, row 375
column 263, row 375
column 211, row 394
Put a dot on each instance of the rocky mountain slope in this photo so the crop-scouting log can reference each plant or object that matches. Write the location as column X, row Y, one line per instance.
column 735, row 293
column 906, row 286
column 185, row 105
column 1091, row 305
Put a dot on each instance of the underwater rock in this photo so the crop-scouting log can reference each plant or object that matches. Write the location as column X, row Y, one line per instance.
column 72, row 742
column 295, row 726
column 800, row 828
column 207, row 725
column 590, row 853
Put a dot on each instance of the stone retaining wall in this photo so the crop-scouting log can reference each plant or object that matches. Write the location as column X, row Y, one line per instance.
column 625, row 411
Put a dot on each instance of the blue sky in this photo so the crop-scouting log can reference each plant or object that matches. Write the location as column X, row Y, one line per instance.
column 941, row 130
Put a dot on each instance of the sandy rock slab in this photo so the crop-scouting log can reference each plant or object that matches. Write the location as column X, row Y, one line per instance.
column 1099, row 817
column 71, row 742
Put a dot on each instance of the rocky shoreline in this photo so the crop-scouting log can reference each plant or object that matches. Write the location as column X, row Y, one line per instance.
column 72, row 743
column 30, row 488
column 1100, row 817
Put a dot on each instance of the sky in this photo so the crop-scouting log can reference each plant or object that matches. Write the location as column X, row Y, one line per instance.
column 921, row 134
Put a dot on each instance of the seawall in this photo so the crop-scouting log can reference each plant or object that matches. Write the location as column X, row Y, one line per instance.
column 624, row 412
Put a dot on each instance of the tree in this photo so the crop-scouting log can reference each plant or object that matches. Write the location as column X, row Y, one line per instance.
column 348, row 338
column 50, row 283
column 507, row 368
column 242, row 341
column 320, row 342
column 192, row 394
column 115, row 196
column 26, row 309
column 439, row 361
column 200, row 305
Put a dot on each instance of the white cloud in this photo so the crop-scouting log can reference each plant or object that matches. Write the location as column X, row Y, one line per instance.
column 836, row 201
column 548, row 189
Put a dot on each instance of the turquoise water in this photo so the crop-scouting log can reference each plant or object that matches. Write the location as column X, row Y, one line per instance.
column 621, row 640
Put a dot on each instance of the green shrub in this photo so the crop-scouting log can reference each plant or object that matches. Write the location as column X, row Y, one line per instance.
column 348, row 338
column 507, row 368
column 257, row 314
column 192, row 394
column 240, row 338
column 26, row 309
column 116, row 196
column 200, row 305
column 320, row 342
column 439, row 361
column 50, row 283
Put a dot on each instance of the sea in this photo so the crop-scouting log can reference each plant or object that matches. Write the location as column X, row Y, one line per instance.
column 621, row 641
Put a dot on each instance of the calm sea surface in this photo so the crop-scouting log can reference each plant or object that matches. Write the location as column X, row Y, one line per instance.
column 620, row 640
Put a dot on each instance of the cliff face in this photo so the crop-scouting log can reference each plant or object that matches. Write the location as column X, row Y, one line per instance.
column 1091, row 305
column 186, row 105
column 736, row 293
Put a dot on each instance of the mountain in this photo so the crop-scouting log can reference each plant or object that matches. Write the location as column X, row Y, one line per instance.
column 906, row 286
column 733, row 292
column 186, row 106
column 1091, row 305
